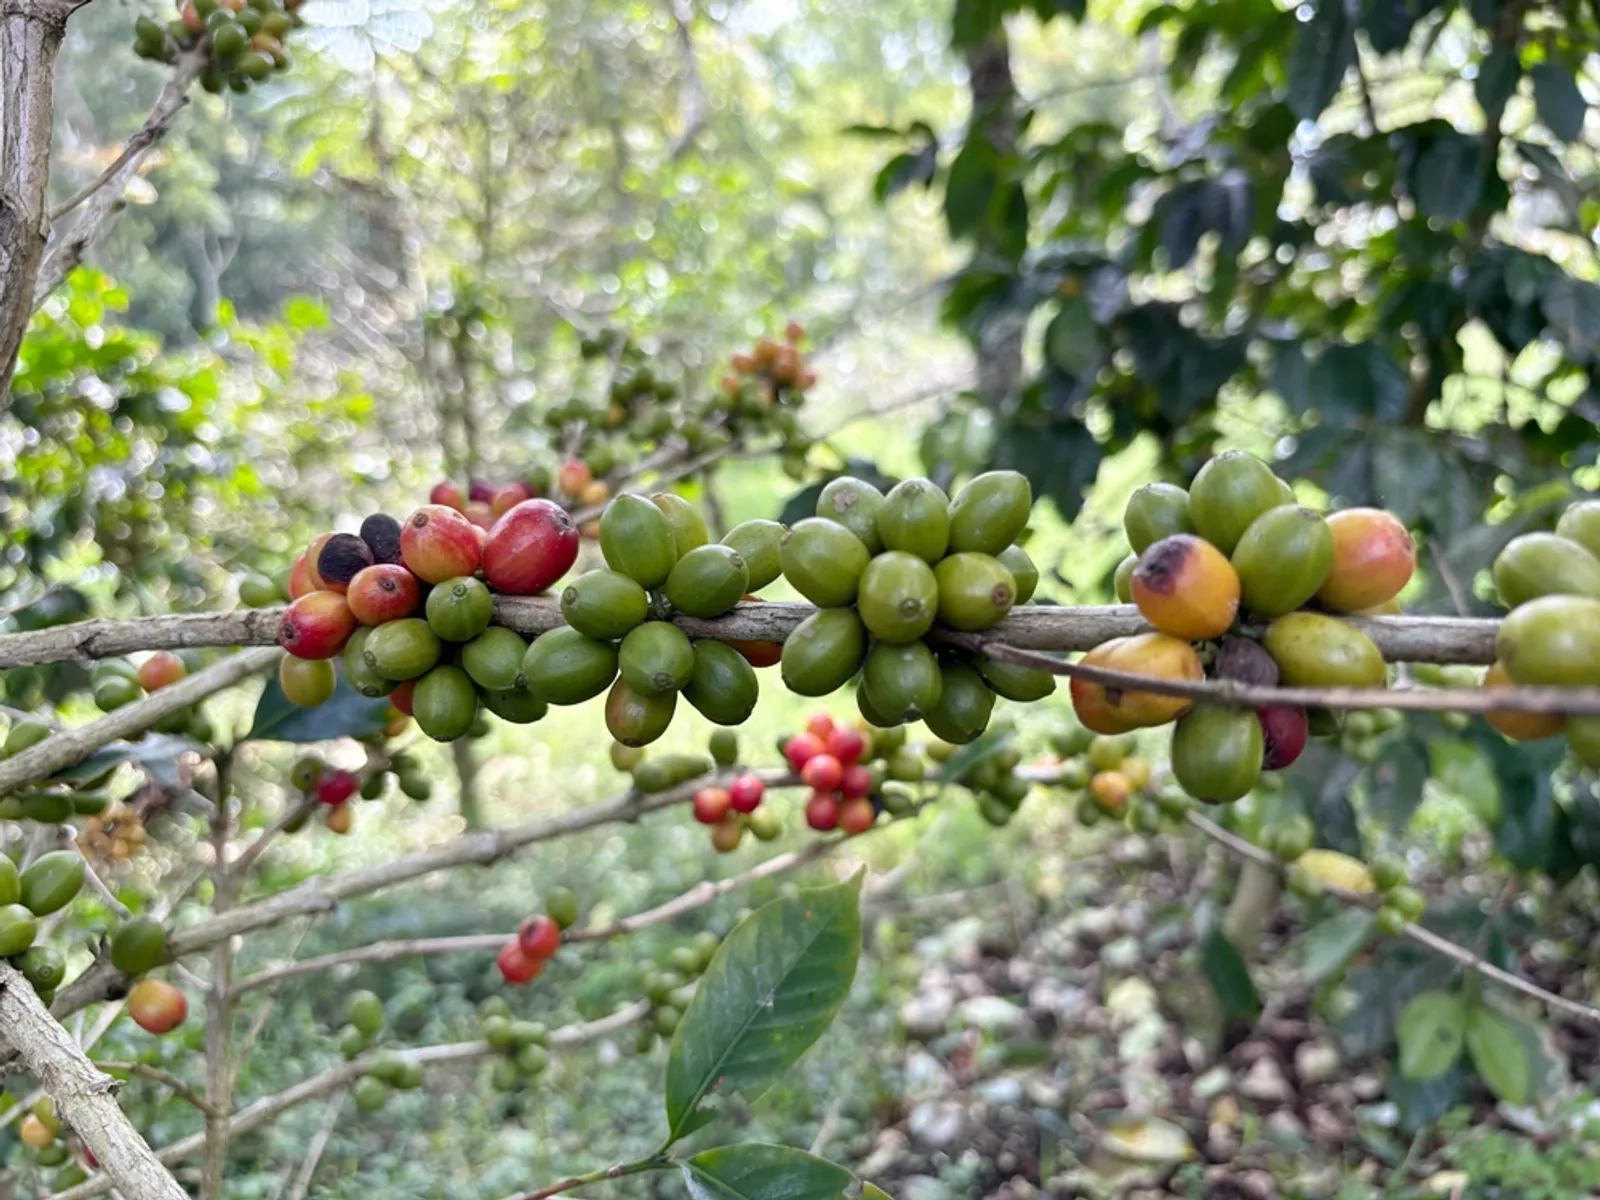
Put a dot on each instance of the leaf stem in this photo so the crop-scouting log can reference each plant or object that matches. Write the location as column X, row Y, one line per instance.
column 654, row 1162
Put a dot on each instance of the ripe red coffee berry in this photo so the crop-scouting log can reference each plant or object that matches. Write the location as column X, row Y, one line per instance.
column 857, row 782
column 300, row 579
column 745, row 793
column 401, row 696
column 385, row 592
column 160, row 670
column 822, row 812
column 820, row 725
column 857, row 816
column 156, row 1006
column 823, row 772
column 335, row 787
column 530, row 548
column 846, row 744
column 539, row 936
column 801, row 749
column 1284, row 729
column 438, row 543
column 480, row 491
column 515, row 966
column 316, row 625
column 508, row 497
column 574, row 476
column 711, row 805
column 449, row 495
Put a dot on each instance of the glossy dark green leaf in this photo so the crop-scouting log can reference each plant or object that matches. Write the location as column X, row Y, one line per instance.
column 970, row 187
column 1060, row 458
column 1073, row 341
column 1495, row 1045
column 1526, row 822
column 975, row 20
column 757, row 1171
column 1395, row 782
column 774, row 986
column 1324, row 51
column 1228, row 975
column 1560, row 103
column 347, row 713
column 1329, row 945
column 1430, row 1032
column 1448, row 177
column 1421, row 1102
column 973, row 753
column 906, row 169
column 1497, row 81
column 157, row 753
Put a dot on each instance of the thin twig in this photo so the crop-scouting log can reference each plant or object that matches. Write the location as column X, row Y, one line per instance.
column 247, row 857
column 319, row 1143
column 69, row 841
column 699, row 896
column 269, row 1108
column 1417, row 933
column 167, row 1080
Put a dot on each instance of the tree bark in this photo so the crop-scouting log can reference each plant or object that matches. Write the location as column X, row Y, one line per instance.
column 30, row 39
column 997, row 342
column 85, row 1099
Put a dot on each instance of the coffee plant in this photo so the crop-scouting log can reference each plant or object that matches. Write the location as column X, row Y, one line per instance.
column 1280, row 616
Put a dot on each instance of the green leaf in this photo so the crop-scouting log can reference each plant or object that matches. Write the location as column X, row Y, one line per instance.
column 975, row 20
column 1421, row 1102
column 772, row 989
column 1072, row 341
column 1324, row 50
column 1495, row 1043
column 1395, row 781
column 1430, row 1032
column 157, row 753
column 974, row 752
column 1329, row 945
column 1561, row 105
column 1497, row 81
column 970, row 187
column 1448, row 177
column 757, row 1171
column 347, row 713
column 872, row 1191
column 1225, row 968
column 903, row 170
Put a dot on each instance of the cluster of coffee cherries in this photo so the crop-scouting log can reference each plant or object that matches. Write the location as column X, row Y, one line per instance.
column 243, row 39
column 763, row 391
column 669, row 985
column 882, row 570
column 1551, row 583
column 405, row 608
column 485, row 503
column 846, row 767
column 538, row 938
column 114, row 835
column 329, row 792
column 1236, row 545
column 49, row 1145
column 389, row 1071
column 733, row 806
column 114, row 683
column 522, row 1046
column 660, row 562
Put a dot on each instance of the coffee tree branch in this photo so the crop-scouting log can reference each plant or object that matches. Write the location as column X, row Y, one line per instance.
column 321, row 895
column 85, row 1099
column 62, row 750
column 269, row 1108
column 699, row 896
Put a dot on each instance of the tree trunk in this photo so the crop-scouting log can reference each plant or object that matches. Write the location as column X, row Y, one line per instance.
column 998, row 342
column 30, row 39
